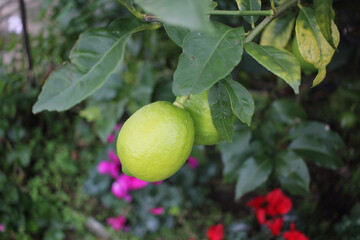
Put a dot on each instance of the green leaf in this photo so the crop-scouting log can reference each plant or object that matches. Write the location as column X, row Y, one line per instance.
column 111, row 112
column 252, row 174
column 143, row 87
column 242, row 103
column 235, row 153
column 313, row 46
column 221, row 113
column 207, row 58
column 97, row 54
column 292, row 173
column 278, row 32
column 280, row 62
column 286, row 111
column 177, row 34
column 324, row 16
column 316, row 151
column 319, row 131
column 183, row 13
column 249, row 5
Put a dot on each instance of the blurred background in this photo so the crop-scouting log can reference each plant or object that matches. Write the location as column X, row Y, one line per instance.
column 59, row 174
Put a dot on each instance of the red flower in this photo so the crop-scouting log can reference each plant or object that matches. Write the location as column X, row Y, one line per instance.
column 293, row 234
column 275, row 226
column 215, row 232
column 278, row 203
column 257, row 203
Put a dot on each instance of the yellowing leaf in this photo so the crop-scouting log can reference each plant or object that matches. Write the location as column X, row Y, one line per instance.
column 313, row 46
column 278, row 32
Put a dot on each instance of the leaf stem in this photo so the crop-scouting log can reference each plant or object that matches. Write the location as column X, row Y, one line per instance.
column 181, row 100
column 268, row 19
column 242, row 13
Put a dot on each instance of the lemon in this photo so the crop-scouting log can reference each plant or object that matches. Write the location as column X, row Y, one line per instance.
column 205, row 131
column 155, row 141
column 306, row 67
column 125, row 171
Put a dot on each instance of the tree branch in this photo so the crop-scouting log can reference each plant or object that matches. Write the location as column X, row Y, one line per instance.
column 288, row 4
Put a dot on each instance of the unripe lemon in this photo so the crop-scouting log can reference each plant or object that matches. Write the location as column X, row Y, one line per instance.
column 306, row 67
column 205, row 131
column 155, row 141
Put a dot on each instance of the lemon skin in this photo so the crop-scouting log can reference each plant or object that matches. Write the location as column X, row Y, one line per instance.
column 205, row 131
column 155, row 141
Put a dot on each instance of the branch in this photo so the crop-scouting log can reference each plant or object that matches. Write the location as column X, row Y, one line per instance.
column 242, row 13
column 26, row 42
column 288, row 4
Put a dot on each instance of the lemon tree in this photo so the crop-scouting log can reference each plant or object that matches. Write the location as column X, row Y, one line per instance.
column 158, row 137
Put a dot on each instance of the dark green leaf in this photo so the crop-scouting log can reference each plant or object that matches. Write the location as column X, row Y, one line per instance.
column 278, row 32
column 235, row 153
column 185, row 13
column 97, row 54
column 177, row 34
column 286, row 111
column 207, row 58
column 280, row 62
column 316, row 151
column 292, row 173
column 324, row 15
column 252, row 173
column 220, row 109
column 319, row 131
column 249, row 5
column 313, row 46
column 242, row 103
column 143, row 87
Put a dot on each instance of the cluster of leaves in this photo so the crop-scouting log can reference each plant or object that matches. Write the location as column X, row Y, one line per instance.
column 43, row 168
column 275, row 150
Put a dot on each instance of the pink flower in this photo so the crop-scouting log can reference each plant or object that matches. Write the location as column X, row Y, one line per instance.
column 118, row 127
column 105, row 167
column 117, row 223
column 294, row 234
column 157, row 210
column 111, row 138
column 137, row 183
column 2, row 228
column 193, row 162
column 120, row 188
column 113, row 157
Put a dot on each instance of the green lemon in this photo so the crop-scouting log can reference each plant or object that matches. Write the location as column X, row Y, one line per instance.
column 155, row 141
column 205, row 131
column 306, row 67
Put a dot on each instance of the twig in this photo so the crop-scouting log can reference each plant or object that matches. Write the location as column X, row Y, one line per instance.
column 26, row 42
column 267, row 20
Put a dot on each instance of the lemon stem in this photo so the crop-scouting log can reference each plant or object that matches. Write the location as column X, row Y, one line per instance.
column 181, row 100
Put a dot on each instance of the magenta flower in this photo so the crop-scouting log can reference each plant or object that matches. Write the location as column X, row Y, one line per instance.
column 2, row 228
column 120, row 188
column 105, row 167
column 113, row 157
column 193, row 162
column 118, row 127
column 137, row 183
column 157, row 210
column 117, row 223
column 111, row 138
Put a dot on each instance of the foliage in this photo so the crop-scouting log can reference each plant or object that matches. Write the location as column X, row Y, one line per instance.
column 307, row 144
